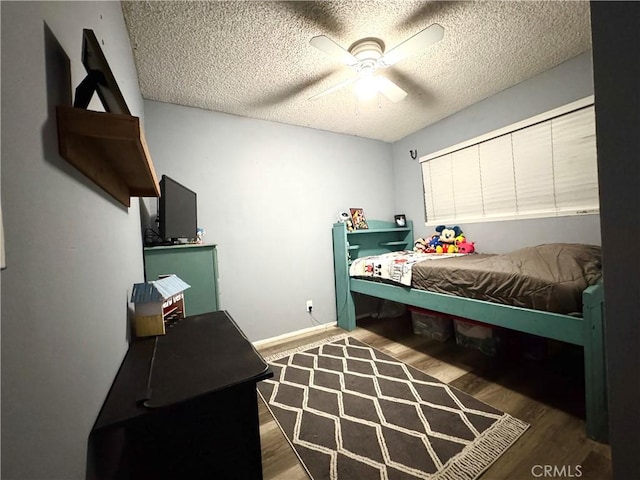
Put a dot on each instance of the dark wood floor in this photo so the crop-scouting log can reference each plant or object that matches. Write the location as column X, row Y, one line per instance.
column 546, row 392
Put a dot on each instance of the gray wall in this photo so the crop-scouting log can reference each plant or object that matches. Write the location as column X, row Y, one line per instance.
column 563, row 84
column 268, row 194
column 72, row 253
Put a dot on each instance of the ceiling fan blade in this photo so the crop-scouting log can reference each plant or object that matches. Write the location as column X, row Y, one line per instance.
column 331, row 48
column 416, row 44
column 389, row 89
column 333, row 89
column 319, row 14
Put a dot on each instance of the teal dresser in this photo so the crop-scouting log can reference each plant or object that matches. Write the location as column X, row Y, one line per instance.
column 195, row 264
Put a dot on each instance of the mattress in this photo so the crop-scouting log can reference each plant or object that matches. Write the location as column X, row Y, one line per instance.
column 549, row 277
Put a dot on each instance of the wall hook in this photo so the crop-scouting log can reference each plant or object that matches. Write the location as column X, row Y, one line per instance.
column 413, row 153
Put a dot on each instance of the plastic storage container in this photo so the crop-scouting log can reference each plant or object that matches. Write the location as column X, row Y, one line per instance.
column 434, row 325
column 480, row 336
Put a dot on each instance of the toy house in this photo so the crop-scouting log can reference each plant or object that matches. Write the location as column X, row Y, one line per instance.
column 157, row 303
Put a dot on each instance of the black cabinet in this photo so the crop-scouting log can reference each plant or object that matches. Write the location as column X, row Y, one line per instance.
column 183, row 405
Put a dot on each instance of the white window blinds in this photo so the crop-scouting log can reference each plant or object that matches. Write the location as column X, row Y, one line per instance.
column 545, row 166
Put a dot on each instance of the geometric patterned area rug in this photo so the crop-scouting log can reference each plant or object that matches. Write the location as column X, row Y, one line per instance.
column 352, row 412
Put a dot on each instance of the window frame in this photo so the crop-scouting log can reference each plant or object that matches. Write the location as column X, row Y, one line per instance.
column 518, row 131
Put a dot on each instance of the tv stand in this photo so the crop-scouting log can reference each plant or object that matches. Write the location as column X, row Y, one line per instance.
column 159, row 244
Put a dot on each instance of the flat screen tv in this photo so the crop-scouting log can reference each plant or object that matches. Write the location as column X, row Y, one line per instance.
column 177, row 211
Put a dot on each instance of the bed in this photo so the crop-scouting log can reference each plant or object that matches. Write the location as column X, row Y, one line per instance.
column 570, row 310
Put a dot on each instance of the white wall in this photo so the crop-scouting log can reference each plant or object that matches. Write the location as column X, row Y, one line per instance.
column 268, row 195
column 563, row 84
column 72, row 252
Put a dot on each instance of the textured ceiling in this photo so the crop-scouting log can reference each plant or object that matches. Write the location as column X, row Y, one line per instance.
column 253, row 58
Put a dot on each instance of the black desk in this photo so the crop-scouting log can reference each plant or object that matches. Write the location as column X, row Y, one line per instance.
column 182, row 405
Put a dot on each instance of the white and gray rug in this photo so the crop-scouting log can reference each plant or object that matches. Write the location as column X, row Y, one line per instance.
column 353, row 412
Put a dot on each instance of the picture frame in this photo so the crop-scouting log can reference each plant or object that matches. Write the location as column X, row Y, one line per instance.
column 358, row 219
column 401, row 220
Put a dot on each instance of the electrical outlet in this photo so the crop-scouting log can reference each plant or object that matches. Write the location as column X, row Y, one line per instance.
column 309, row 305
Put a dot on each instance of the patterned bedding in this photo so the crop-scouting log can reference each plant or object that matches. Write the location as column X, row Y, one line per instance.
column 549, row 277
column 394, row 266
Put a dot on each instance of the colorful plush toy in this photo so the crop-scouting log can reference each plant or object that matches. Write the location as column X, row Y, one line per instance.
column 466, row 247
column 446, row 240
column 448, row 234
column 427, row 245
column 420, row 245
column 434, row 241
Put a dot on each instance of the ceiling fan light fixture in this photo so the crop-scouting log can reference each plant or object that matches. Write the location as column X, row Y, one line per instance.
column 367, row 49
column 367, row 87
column 368, row 55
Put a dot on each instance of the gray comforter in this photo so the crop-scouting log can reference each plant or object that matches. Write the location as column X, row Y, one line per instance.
column 549, row 277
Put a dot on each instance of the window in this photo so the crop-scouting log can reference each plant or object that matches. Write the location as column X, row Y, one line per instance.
column 542, row 167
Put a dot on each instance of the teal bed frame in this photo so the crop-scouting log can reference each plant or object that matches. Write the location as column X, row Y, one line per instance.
column 586, row 331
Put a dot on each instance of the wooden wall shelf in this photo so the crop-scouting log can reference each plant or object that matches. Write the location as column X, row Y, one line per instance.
column 110, row 149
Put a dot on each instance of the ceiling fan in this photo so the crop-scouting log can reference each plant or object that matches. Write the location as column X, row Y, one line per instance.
column 367, row 56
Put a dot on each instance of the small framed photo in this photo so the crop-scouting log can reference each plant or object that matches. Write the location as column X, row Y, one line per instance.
column 401, row 220
column 358, row 219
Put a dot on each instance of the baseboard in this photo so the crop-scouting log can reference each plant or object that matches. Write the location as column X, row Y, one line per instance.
column 292, row 335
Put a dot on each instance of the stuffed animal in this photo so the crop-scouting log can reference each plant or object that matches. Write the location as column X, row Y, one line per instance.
column 448, row 234
column 446, row 240
column 434, row 241
column 428, row 245
column 466, row 247
column 420, row 245
column 345, row 217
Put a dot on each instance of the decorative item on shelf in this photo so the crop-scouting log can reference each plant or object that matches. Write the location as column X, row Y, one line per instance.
column 157, row 303
column 401, row 220
column 358, row 219
column 108, row 147
column 345, row 217
column 200, row 235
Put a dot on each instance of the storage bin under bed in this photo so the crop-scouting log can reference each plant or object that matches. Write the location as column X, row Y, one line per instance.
column 483, row 337
column 435, row 325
